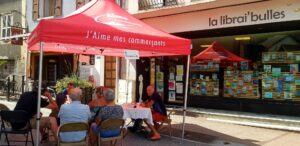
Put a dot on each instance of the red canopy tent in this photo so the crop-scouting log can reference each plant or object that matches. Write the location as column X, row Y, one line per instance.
column 102, row 27
column 216, row 52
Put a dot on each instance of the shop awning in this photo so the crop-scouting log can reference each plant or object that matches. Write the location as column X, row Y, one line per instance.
column 101, row 27
column 216, row 52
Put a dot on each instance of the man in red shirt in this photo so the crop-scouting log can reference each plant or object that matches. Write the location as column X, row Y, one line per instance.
column 159, row 112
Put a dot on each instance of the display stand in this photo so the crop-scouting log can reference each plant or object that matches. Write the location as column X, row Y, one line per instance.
column 281, row 77
column 204, row 80
column 241, row 84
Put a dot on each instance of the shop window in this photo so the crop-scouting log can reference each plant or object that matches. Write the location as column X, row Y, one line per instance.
column 49, row 8
column 121, row 3
column 6, row 23
column 151, row 4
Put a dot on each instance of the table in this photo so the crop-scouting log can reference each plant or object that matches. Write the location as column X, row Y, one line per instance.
column 137, row 113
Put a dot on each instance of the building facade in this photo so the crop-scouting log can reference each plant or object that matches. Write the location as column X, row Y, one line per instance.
column 12, row 49
column 265, row 32
column 57, row 65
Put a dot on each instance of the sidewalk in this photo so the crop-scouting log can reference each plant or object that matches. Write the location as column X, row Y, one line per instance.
column 202, row 131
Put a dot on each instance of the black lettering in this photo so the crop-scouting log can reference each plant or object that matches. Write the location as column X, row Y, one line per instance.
column 276, row 15
column 282, row 14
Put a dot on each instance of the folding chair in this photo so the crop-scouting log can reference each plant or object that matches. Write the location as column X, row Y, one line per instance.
column 73, row 127
column 112, row 124
column 167, row 121
column 15, row 117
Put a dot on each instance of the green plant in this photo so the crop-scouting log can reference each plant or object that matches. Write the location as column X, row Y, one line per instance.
column 63, row 83
column 2, row 62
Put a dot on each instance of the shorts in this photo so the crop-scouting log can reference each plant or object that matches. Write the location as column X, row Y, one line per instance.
column 44, row 122
column 157, row 117
column 105, row 133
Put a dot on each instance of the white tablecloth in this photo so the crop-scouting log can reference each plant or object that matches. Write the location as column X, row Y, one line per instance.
column 137, row 113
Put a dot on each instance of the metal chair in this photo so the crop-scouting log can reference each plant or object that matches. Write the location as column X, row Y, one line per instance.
column 15, row 118
column 112, row 124
column 73, row 127
column 167, row 121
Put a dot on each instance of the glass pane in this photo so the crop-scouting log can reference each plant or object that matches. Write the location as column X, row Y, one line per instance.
column 108, row 74
column 3, row 32
column 9, row 23
column 8, row 32
column 114, row 66
column 108, row 66
column 108, row 82
column 108, row 58
column 4, row 21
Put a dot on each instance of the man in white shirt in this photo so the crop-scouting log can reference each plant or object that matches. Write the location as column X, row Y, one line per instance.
column 74, row 112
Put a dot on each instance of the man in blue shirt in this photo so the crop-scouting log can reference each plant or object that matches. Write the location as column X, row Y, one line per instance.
column 74, row 112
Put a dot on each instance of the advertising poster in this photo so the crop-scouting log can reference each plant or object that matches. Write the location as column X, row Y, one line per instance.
column 179, row 88
column 179, row 78
column 171, row 84
column 172, row 96
column 179, row 70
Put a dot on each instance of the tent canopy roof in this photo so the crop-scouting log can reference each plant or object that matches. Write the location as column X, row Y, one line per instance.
column 217, row 52
column 102, row 27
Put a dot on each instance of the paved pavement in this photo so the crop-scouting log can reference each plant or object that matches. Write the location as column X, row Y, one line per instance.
column 201, row 131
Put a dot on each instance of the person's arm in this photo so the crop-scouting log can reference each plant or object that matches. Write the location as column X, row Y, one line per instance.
column 52, row 104
column 92, row 104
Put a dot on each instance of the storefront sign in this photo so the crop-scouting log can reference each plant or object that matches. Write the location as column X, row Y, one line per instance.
column 131, row 54
column 230, row 16
column 248, row 17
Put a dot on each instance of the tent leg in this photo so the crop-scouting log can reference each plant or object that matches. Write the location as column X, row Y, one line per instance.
column 117, row 80
column 25, row 71
column 39, row 94
column 185, row 96
column 127, row 79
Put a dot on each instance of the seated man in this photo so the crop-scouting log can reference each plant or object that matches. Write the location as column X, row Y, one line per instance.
column 159, row 112
column 28, row 102
column 110, row 111
column 74, row 112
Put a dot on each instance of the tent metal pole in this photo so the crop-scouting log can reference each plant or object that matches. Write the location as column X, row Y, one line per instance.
column 127, row 79
column 117, row 79
column 185, row 96
column 25, row 72
column 39, row 94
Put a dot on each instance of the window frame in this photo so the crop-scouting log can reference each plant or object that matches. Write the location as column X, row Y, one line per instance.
column 5, row 26
column 51, row 8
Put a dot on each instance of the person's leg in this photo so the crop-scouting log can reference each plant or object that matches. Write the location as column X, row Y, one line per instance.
column 93, row 133
column 156, row 135
column 50, row 123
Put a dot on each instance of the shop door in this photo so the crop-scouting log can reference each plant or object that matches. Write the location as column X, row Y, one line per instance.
column 110, row 72
column 52, row 71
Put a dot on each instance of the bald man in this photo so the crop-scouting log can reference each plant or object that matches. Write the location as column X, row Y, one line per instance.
column 72, row 113
column 159, row 112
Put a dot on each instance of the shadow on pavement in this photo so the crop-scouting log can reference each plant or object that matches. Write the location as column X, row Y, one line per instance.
column 201, row 134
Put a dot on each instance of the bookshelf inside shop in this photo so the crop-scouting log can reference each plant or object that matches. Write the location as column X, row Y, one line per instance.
column 204, row 80
column 281, row 77
column 241, row 84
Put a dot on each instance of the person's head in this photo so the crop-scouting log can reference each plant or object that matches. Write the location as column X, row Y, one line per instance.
column 150, row 90
column 99, row 91
column 91, row 78
column 75, row 94
column 44, row 88
column 109, row 95
column 70, row 86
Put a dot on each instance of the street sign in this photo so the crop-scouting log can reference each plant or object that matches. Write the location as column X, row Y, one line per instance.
column 131, row 54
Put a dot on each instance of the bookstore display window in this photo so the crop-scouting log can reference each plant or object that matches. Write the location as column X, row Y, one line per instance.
column 281, row 78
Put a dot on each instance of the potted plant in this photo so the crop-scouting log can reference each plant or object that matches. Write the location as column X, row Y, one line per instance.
column 87, row 90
